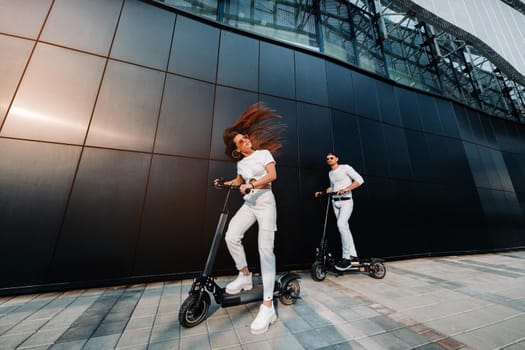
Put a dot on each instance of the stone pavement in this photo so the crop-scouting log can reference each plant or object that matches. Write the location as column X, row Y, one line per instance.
column 454, row 302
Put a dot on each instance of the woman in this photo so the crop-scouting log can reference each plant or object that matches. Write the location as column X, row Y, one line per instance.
column 343, row 179
column 251, row 141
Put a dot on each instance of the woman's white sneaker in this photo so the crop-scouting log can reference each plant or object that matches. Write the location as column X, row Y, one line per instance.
column 242, row 282
column 264, row 319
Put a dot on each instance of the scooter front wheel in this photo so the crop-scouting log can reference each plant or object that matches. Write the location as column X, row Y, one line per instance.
column 318, row 271
column 194, row 310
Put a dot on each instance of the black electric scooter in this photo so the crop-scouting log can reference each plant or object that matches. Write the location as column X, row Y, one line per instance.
column 325, row 262
column 195, row 308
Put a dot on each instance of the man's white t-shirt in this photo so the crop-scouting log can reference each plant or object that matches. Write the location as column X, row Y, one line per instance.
column 343, row 176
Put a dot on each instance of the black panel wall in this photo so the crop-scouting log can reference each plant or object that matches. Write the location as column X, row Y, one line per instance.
column 109, row 143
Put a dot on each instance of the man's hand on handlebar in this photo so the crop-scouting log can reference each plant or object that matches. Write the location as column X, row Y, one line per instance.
column 218, row 182
column 328, row 191
column 322, row 193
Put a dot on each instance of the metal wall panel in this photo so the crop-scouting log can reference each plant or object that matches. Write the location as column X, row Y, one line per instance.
column 55, row 99
column 102, row 222
column 173, row 217
column 430, row 121
column 35, row 181
column 23, row 18
column 388, row 105
column 127, row 108
column 14, row 54
column 516, row 168
column 459, row 172
column 373, row 142
column 191, row 57
column 477, row 167
column 315, row 137
column 465, row 129
column 397, row 157
column 366, row 96
column 143, row 35
column 185, row 117
column 419, row 155
column 310, row 79
column 409, row 108
column 238, row 61
column 448, row 118
column 83, row 25
column 347, row 139
column 340, row 87
column 276, row 71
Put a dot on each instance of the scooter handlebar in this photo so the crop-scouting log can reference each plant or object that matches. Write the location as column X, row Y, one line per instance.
column 219, row 184
column 320, row 194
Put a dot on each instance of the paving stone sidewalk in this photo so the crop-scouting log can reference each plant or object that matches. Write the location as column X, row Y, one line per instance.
column 455, row 302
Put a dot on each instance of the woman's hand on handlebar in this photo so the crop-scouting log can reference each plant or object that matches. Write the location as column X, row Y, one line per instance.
column 245, row 188
column 220, row 183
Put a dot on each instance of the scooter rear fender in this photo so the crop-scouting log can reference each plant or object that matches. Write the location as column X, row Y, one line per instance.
column 283, row 280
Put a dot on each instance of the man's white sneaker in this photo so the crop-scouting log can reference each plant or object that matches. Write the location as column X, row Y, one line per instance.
column 264, row 319
column 242, row 282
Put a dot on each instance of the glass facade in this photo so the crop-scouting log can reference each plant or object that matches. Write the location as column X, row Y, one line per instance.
column 382, row 37
column 499, row 24
column 288, row 21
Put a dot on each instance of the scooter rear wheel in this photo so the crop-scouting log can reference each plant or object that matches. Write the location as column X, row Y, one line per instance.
column 318, row 271
column 290, row 292
column 377, row 270
column 193, row 311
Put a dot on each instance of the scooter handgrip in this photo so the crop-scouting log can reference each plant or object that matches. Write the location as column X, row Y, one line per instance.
column 218, row 182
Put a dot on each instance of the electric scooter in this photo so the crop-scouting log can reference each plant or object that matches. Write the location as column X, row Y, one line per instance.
column 325, row 262
column 195, row 308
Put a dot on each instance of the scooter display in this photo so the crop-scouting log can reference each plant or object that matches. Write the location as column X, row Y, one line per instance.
column 325, row 262
column 195, row 308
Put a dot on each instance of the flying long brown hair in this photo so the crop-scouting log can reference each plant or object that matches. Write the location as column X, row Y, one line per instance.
column 258, row 122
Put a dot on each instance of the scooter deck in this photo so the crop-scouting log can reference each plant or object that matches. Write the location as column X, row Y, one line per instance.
column 363, row 265
column 244, row 297
column 374, row 267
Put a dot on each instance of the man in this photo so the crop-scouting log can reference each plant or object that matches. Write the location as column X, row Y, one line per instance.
column 343, row 179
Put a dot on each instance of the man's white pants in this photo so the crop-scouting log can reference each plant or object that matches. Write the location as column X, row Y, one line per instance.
column 258, row 206
column 343, row 211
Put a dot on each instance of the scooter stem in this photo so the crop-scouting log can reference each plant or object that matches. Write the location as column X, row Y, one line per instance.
column 326, row 214
column 215, row 243
column 217, row 236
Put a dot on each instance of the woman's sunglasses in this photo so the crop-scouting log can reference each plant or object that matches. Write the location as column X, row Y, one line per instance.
column 242, row 140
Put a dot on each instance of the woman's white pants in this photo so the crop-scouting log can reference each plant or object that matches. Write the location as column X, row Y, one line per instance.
column 259, row 206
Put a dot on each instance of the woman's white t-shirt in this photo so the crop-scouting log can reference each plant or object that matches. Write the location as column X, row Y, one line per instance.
column 254, row 166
